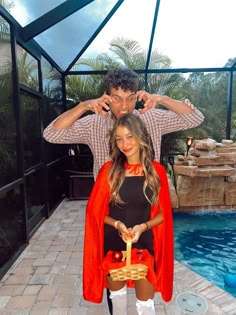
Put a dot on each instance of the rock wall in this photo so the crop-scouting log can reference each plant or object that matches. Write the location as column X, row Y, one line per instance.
column 207, row 176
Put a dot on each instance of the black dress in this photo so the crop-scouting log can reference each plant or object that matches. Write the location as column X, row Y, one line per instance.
column 134, row 210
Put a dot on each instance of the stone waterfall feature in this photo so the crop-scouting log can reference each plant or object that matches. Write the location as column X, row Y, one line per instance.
column 207, row 176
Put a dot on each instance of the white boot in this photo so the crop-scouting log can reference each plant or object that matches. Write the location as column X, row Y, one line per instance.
column 119, row 301
column 145, row 307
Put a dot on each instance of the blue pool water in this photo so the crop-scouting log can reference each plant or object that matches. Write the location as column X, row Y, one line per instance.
column 206, row 243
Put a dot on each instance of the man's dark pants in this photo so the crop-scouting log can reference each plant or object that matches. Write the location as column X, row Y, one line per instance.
column 109, row 302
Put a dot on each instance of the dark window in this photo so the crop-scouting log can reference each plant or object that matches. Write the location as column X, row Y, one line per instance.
column 34, row 193
column 27, row 69
column 56, row 189
column 31, row 130
column 11, row 223
column 8, row 165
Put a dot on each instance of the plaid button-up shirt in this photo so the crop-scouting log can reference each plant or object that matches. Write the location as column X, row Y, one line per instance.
column 93, row 130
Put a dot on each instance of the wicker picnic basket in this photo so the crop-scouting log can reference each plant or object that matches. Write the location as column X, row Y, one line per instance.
column 129, row 271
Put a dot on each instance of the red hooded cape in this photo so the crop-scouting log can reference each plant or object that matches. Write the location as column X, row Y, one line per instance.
column 163, row 241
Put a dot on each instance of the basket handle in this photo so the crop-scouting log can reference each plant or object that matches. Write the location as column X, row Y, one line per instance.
column 128, row 251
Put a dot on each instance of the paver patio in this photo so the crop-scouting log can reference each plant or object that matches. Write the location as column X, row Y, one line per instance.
column 46, row 278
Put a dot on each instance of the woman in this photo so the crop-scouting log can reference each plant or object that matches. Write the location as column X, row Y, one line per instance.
column 130, row 198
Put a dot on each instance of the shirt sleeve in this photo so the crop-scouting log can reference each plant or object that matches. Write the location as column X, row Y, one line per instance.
column 169, row 121
column 78, row 133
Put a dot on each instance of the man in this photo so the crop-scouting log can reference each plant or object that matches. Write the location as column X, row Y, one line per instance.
column 119, row 99
column 121, row 94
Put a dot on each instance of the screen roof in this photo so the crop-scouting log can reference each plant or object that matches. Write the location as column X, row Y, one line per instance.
column 192, row 33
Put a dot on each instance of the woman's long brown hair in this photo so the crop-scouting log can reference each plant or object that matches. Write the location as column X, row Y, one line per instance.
column 146, row 154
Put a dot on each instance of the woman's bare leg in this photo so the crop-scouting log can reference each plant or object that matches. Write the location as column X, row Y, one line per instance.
column 144, row 290
column 118, row 296
column 145, row 293
column 115, row 285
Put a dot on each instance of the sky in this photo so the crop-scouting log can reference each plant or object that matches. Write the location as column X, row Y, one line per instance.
column 193, row 33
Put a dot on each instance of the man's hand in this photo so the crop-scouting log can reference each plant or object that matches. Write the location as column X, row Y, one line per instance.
column 151, row 100
column 99, row 105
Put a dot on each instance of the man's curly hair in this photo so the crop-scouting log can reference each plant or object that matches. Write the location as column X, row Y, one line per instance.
column 123, row 78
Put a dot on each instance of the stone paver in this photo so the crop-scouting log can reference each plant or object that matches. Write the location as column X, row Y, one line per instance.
column 4, row 300
column 46, row 278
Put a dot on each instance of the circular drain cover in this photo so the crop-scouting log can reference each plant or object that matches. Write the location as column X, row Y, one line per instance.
column 191, row 303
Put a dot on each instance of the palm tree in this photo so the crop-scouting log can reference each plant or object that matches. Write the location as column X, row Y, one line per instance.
column 78, row 86
column 28, row 70
column 209, row 92
column 89, row 86
column 128, row 53
column 7, row 4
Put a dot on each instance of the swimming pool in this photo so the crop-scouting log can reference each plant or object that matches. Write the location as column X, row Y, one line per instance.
column 205, row 241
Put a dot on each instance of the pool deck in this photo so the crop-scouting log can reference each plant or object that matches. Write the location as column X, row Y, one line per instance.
column 46, row 277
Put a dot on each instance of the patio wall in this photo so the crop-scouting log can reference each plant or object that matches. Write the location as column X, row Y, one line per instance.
column 207, row 176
